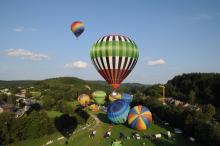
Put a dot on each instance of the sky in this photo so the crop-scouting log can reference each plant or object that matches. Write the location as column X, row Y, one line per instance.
column 173, row 37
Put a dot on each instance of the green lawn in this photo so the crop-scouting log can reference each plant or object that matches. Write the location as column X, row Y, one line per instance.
column 53, row 114
column 82, row 138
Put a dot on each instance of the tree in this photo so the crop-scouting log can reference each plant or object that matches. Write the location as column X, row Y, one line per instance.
column 38, row 125
column 189, row 124
column 209, row 110
column 28, row 94
column 11, row 99
column 6, row 121
column 48, row 102
column 64, row 107
column 192, row 97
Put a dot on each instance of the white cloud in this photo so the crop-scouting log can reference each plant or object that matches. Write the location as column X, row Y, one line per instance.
column 76, row 64
column 22, row 29
column 26, row 54
column 156, row 62
column 18, row 29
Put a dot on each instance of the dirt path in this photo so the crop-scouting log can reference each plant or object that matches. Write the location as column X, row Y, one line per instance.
column 96, row 119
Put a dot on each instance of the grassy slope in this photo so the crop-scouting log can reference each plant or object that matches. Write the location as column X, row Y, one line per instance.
column 53, row 114
column 82, row 138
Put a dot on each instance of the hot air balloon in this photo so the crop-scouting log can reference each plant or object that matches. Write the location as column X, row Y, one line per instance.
column 94, row 108
column 99, row 97
column 77, row 28
column 139, row 118
column 114, row 96
column 127, row 97
column 114, row 56
column 118, row 111
column 84, row 99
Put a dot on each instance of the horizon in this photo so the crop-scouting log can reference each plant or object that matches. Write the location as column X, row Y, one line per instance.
column 173, row 38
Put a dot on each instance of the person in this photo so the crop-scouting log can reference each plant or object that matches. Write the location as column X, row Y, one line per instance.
column 93, row 134
column 107, row 134
column 122, row 136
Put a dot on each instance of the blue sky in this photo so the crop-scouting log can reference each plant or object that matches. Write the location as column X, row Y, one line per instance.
column 173, row 37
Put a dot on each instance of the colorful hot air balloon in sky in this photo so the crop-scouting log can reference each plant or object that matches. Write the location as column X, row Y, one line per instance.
column 114, row 56
column 139, row 118
column 118, row 111
column 114, row 96
column 84, row 99
column 127, row 97
column 99, row 97
column 77, row 28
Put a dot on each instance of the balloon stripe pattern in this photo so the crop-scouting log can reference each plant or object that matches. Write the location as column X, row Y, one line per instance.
column 99, row 97
column 139, row 118
column 118, row 111
column 114, row 56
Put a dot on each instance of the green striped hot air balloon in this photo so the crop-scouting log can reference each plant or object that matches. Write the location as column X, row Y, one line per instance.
column 114, row 57
column 99, row 97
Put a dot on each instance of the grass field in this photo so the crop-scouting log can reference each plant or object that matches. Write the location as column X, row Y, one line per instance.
column 82, row 138
column 53, row 114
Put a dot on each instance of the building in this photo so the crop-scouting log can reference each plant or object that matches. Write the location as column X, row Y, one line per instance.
column 7, row 108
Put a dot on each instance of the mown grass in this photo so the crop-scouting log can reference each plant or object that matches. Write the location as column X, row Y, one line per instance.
column 82, row 138
column 53, row 113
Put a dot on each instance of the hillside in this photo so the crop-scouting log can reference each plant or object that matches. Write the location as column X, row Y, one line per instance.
column 195, row 87
column 17, row 83
column 68, row 82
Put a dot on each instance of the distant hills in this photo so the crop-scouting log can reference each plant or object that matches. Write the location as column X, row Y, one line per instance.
column 74, row 82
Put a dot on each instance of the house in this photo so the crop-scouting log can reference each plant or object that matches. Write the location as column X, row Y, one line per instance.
column 1, row 109
column 158, row 135
column 7, row 108
column 178, row 131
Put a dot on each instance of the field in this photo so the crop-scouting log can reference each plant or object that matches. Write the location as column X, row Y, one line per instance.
column 82, row 138
column 53, row 114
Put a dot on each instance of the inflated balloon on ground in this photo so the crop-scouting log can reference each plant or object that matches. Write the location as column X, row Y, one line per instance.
column 114, row 57
column 99, row 97
column 118, row 111
column 84, row 99
column 114, row 96
column 127, row 97
column 139, row 118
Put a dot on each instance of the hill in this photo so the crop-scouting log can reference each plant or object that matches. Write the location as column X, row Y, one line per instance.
column 201, row 88
column 74, row 83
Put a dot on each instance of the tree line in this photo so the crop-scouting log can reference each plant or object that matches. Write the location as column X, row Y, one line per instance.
column 35, row 125
column 203, row 88
column 198, row 124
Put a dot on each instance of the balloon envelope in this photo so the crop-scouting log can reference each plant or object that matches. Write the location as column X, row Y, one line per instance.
column 114, row 96
column 127, row 97
column 99, row 97
column 114, row 56
column 118, row 111
column 94, row 108
column 139, row 118
column 77, row 28
column 84, row 99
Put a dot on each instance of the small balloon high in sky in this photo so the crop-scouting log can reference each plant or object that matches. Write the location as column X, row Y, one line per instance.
column 77, row 28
